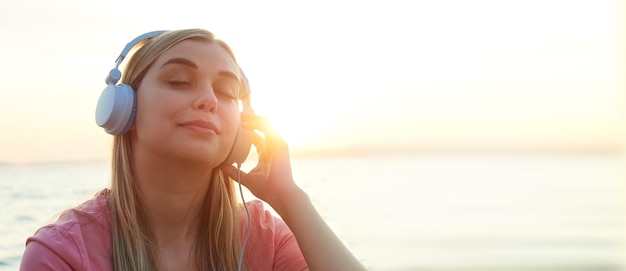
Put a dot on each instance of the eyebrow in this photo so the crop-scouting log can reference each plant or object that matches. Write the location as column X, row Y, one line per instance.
column 179, row 60
column 187, row 62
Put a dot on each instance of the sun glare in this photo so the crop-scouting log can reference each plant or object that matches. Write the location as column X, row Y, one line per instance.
column 301, row 129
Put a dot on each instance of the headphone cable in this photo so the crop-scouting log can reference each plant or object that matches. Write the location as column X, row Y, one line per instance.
column 245, row 239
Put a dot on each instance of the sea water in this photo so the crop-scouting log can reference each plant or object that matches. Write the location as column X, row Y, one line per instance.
column 404, row 213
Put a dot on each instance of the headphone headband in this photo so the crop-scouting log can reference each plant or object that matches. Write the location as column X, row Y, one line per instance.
column 115, row 74
column 134, row 42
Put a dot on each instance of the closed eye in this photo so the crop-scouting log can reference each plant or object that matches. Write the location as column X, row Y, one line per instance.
column 225, row 89
column 227, row 94
column 178, row 83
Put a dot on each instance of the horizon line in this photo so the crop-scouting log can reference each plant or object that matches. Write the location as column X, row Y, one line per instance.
column 388, row 152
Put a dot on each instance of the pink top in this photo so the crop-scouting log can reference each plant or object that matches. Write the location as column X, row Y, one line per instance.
column 81, row 240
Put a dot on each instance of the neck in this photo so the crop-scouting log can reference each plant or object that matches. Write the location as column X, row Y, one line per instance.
column 172, row 193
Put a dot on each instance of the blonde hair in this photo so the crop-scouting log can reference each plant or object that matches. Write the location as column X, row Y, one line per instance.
column 218, row 239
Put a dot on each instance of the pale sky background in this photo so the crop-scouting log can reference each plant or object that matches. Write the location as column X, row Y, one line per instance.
column 399, row 75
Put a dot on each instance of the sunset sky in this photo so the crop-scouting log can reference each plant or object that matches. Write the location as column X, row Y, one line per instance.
column 398, row 75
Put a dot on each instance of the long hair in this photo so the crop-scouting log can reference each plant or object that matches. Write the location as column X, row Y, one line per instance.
column 218, row 238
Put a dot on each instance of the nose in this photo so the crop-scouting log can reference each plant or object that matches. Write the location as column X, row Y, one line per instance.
column 206, row 100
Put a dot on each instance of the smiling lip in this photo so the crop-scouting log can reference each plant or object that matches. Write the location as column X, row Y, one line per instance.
column 202, row 127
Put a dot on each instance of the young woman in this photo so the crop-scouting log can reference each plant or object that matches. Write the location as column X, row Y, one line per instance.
column 173, row 204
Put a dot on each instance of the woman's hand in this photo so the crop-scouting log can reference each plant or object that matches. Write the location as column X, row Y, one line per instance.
column 272, row 176
column 271, row 181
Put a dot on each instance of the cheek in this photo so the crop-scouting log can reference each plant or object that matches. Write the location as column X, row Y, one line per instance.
column 231, row 118
column 150, row 109
column 144, row 105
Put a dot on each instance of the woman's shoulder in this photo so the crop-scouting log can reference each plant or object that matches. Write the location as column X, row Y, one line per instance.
column 91, row 218
column 80, row 235
column 262, row 215
column 93, row 212
column 267, row 224
column 272, row 245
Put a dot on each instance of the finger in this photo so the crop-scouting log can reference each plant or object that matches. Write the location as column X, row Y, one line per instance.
column 258, row 142
column 275, row 142
column 234, row 173
column 269, row 146
column 272, row 137
column 255, row 122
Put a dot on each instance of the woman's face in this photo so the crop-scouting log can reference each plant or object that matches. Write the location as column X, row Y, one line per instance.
column 187, row 106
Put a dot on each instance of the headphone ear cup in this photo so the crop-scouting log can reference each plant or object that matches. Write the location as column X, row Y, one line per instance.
column 116, row 109
column 241, row 147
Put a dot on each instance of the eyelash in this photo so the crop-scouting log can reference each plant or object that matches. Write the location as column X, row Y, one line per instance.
column 178, row 83
column 218, row 91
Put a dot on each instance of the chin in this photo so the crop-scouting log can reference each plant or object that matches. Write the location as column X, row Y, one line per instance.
column 205, row 156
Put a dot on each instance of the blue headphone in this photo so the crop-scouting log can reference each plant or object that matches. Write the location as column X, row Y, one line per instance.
column 117, row 106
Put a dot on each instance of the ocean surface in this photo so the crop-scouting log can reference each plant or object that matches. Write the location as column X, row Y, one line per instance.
column 517, row 213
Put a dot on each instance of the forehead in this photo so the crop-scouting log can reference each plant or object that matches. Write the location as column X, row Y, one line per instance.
column 207, row 55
